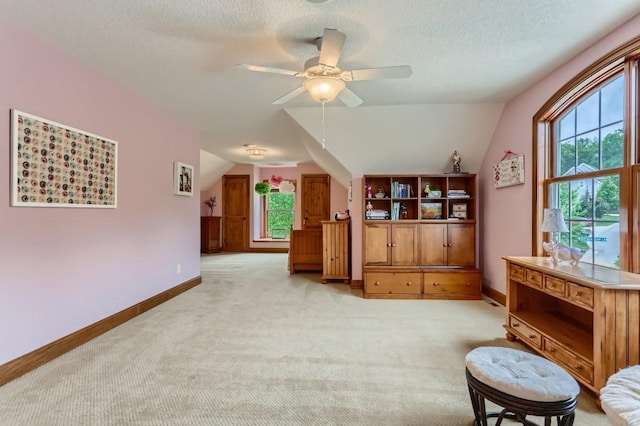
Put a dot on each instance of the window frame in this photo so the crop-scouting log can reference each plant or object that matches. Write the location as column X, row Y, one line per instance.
column 623, row 60
column 265, row 215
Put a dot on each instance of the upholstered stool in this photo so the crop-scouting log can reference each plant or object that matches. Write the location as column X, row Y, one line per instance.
column 522, row 383
column 620, row 398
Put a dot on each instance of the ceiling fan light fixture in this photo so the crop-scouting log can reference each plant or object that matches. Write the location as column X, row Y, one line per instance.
column 324, row 89
column 256, row 153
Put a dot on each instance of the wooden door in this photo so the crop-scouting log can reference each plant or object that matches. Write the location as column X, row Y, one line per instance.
column 235, row 213
column 404, row 245
column 433, row 240
column 461, row 244
column 315, row 200
column 377, row 245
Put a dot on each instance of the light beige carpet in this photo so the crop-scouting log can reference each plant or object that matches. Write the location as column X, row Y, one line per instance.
column 253, row 345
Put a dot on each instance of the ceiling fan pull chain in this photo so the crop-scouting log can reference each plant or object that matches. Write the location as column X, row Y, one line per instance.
column 323, row 125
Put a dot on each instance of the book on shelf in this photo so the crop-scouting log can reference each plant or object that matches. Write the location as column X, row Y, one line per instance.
column 401, row 190
column 457, row 193
column 376, row 215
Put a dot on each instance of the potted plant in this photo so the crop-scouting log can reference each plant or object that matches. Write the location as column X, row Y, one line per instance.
column 211, row 202
column 262, row 188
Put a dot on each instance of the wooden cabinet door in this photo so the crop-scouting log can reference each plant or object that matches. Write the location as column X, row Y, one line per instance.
column 377, row 245
column 433, row 240
column 461, row 244
column 316, row 198
column 404, row 244
column 210, row 234
column 235, row 207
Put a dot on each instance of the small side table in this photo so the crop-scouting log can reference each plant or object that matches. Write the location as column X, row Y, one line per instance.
column 210, row 241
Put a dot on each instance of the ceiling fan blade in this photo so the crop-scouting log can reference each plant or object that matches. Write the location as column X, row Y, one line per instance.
column 349, row 98
column 269, row 69
column 292, row 94
column 400, row 71
column 331, row 47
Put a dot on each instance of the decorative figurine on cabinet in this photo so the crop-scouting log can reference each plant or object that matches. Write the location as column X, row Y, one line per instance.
column 456, row 162
column 562, row 252
column 368, row 188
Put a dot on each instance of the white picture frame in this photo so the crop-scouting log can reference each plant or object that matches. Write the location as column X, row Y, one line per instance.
column 183, row 179
column 55, row 165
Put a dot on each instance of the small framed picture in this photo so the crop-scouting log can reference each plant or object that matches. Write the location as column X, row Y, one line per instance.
column 431, row 211
column 182, row 179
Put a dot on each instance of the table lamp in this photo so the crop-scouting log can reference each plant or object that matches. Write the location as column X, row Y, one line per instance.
column 553, row 222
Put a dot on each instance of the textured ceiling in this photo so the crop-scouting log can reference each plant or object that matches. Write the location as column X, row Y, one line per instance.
column 181, row 55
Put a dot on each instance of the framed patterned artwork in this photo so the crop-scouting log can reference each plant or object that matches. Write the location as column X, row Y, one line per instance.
column 509, row 171
column 182, row 179
column 55, row 165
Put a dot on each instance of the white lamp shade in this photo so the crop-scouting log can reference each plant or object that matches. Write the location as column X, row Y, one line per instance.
column 553, row 221
column 324, row 89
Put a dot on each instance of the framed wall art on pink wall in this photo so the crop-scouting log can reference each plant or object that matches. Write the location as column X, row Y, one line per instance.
column 183, row 179
column 55, row 165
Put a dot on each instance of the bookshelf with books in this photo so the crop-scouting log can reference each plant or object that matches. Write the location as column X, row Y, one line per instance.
column 419, row 236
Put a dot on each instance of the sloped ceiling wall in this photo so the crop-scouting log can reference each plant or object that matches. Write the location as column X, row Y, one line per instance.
column 385, row 139
column 404, row 138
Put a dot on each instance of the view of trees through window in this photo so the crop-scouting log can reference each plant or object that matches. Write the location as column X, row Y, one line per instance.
column 279, row 214
column 589, row 152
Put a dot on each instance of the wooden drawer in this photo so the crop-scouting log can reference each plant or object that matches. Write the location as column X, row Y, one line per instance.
column 526, row 333
column 392, row 282
column 452, row 283
column 580, row 295
column 516, row 272
column 554, row 285
column 569, row 360
column 533, row 278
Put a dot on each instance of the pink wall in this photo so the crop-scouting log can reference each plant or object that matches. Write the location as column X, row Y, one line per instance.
column 506, row 212
column 62, row 269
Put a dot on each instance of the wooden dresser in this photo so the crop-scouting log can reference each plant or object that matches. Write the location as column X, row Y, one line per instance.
column 585, row 318
column 210, row 241
column 336, row 261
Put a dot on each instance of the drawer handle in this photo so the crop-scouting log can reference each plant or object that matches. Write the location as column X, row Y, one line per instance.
column 409, row 283
column 515, row 325
column 388, row 244
column 468, row 284
column 444, row 245
column 578, row 293
column 578, row 367
column 532, row 336
column 436, row 284
column 552, row 350
column 377, row 283
column 393, row 244
column 449, row 245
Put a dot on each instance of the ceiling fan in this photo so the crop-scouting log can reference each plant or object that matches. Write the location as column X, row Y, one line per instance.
column 324, row 80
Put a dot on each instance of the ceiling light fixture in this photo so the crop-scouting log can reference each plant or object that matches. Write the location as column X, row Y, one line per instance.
column 256, row 153
column 324, row 89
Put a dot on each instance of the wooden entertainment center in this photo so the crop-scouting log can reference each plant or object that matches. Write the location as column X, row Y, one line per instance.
column 585, row 318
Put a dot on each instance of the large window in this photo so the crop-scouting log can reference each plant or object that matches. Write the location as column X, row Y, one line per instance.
column 585, row 137
column 588, row 146
column 279, row 214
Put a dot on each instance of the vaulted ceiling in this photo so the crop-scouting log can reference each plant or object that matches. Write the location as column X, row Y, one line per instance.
column 468, row 58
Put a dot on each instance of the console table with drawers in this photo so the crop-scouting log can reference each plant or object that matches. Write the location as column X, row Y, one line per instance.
column 586, row 318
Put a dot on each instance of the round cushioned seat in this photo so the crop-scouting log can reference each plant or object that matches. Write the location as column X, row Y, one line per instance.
column 523, row 383
column 620, row 398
